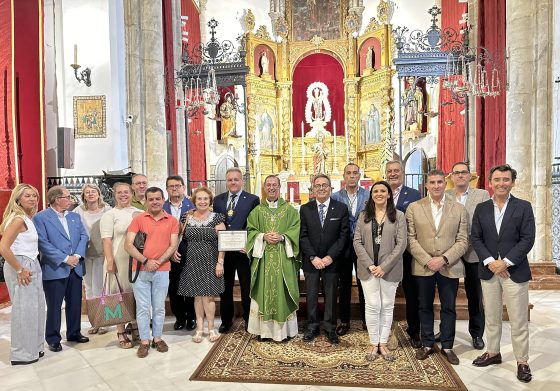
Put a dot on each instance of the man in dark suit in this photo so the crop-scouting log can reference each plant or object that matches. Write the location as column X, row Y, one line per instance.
column 181, row 306
column 323, row 236
column 403, row 197
column 235, row 204
column 62, row 244
column 503, row 233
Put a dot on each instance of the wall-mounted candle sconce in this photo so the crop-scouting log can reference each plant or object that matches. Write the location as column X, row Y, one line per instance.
column 84, row 74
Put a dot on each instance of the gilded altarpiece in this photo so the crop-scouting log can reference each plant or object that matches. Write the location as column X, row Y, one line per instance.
column 274, row 148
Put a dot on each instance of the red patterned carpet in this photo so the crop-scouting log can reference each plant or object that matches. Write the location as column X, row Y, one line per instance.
column 239, row 357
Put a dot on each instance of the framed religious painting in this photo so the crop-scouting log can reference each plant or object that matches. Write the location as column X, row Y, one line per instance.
column 322, row 18
column 90, row 117
column 267, row 127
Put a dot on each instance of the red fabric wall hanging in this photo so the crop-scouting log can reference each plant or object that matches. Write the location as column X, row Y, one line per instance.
column 191, row 37
column 451, row 124
column 324, row 68
column 491, row 112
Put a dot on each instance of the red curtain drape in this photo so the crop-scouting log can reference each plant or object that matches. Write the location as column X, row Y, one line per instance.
column 190, row 18
column 324, row 68
column 7, row 155
column 491, row 112
column 451, row 125
column 169, row 63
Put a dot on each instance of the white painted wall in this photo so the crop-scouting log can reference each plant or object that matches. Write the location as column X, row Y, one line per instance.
column 96, row 27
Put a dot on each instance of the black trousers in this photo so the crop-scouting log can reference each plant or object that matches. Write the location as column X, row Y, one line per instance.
column 235, row 261
column 181, row 306
column 447, row 291
column 410, row 288
column 474, row 297
column 346, row 267
column 330, row 282
column 68, row 289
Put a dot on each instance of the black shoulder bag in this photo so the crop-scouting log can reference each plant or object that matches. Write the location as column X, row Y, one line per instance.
column 139, row 241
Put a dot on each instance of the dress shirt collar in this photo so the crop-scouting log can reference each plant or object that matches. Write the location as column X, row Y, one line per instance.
column 60, row 215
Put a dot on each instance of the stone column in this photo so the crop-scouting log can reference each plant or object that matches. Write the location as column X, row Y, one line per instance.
column 528, row 110
column 179, row 93
column 146, row 88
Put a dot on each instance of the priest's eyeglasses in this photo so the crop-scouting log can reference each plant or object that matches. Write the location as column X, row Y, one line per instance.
column 322, row 186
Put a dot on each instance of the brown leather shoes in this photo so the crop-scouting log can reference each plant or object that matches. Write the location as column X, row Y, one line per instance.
column 450, row 355
column 160, row 345
column 423, row 353
column 143, row 350
column 524, row 373
column 485, row 360
column 342, row 329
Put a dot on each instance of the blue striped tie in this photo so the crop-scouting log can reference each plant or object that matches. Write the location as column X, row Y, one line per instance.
column 322, row 213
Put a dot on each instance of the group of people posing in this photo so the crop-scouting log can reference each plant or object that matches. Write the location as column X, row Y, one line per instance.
column 389, row 235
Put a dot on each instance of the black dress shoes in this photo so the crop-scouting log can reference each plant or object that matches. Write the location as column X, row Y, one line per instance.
column 423, row 353
column 415, row 341
column 41, row 354
column 55, row 347
column 179, row 325
column 191, row 324
column 524, row 373
column 333, row 337
column 477, row 343
column 310, row 335
column 450, row 355
column 342, row 329
column 485, row 360
column 24, row 362
column 79, row 339
column 224, row 327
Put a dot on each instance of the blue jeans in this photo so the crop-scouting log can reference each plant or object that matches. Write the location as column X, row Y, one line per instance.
column 150, row 290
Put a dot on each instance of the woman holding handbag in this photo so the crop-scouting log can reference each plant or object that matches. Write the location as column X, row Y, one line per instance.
column 379, row 241
column 113, row 227
column 19, row 247
column 203, row 273
column 91, row 211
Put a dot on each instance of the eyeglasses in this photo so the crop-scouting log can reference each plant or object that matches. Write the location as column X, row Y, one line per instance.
column 174, row 186
column 323, row 186
column 464, row 172
column 66, row 197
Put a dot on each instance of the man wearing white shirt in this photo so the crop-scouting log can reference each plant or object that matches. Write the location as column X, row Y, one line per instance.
column 470, row 197
column 503, row 233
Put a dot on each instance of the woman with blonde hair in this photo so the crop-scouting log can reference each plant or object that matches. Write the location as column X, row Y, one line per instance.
column 113, row 227
column 203, row 274
column 19, row 247
column 91, row 210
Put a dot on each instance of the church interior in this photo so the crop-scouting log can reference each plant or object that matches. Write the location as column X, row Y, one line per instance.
column 95, row 90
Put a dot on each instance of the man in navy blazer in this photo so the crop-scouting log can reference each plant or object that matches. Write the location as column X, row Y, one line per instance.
column 177, row 205
column 235, row 204
column 502, row 234
column 404, row 196
column 323, row 239
column 62, row 245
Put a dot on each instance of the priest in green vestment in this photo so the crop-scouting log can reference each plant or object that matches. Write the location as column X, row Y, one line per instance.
column 273, row 248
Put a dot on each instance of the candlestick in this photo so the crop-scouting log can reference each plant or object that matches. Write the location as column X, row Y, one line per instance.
column 346, row 140
column 291, row 195
column 75, row 54
column 303, row 171
column 335, row 165
column 291, row 149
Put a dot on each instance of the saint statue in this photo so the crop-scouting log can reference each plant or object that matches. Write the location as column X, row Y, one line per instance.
column 264, row 64
column 265, row 128
column 317, row 108
column 227, row 115
column 369, row 58
column 415, row 106
column 373, row 133
column 318, row 113
column 320, row 154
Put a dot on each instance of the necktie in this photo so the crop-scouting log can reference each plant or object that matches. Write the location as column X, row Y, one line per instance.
column 232, row 202
column 322, row 213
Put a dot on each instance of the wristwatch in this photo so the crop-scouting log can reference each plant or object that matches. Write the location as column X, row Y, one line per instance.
column 445, row 259
column 311, row 258
column 145, row 261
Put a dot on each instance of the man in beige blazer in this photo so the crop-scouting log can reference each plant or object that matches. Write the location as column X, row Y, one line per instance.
column 437, row 239
column 470, row 197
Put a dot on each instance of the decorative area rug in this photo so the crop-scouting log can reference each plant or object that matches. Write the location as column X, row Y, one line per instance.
column 239, row 357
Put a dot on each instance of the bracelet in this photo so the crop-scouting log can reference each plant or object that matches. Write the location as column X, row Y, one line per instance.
column 220, row 263
column 20, row 271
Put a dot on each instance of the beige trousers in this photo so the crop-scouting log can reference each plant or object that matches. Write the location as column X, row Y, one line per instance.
column 516, row 296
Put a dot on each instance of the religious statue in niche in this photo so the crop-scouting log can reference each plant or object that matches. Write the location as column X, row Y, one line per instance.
column 227, row 116
column 369, row 66
column 415, row 106
column 317, row 108
column 264, row 65
column 371, row 126
column 320, row 154
column 265, row 127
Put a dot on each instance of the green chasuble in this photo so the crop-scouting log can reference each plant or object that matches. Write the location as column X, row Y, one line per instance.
column 274, row 276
